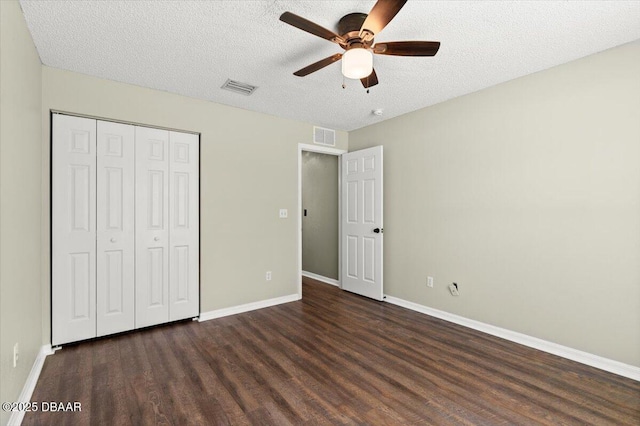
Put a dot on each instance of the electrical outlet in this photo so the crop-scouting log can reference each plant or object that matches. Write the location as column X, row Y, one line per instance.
column 16, row 355
column 268, row 276
column 430, row 282
column 453, row 288
column 284, row 213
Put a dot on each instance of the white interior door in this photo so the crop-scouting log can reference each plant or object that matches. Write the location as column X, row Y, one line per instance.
column 115, row 281
column 184, row 244
column 73, row 229
column 152, row 226
column 362, row 224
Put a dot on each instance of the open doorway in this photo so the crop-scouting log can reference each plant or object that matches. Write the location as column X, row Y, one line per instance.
column 319, row 214
column 320, row 237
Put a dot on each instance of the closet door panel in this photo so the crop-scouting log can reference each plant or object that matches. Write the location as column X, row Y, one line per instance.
column 73, row 228
column 152, row 227
column 184, row 255
column 115, row 228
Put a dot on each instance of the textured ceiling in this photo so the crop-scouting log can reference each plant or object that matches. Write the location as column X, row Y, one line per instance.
column 193, row 47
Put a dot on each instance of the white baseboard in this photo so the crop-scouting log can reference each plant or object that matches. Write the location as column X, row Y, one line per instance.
column 30, row 384
column 596, row 361
column 321, row 278
column 219, row 313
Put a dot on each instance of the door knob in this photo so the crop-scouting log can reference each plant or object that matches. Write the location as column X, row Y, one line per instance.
column 156, row 238
column 113, row 240
column 378, row 230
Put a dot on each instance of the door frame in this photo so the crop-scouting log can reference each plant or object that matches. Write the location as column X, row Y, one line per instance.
column 321, row 150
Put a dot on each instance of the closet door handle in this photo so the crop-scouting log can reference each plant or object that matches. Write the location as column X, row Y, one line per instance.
column 156, row 238
column 113, row 240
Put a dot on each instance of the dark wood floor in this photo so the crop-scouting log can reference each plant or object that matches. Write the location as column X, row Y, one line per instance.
column 332, row 358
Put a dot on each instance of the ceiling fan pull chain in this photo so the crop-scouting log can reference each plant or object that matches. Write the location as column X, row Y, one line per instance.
column 344, row 86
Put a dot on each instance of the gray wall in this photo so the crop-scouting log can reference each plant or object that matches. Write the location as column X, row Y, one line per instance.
column 20, row 201
column 249, row 169
column 526, row 194
column 320, row 226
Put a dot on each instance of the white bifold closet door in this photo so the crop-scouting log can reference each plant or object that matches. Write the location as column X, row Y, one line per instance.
column 167, row 226
column 115, row 280
column 125, row 227
column 152, row 226
column 73, row 229
column 184, row 226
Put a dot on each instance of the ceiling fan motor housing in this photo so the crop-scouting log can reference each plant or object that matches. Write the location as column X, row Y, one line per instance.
column 349, row 28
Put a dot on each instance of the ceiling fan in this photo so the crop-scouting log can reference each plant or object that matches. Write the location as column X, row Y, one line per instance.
column 357, row 33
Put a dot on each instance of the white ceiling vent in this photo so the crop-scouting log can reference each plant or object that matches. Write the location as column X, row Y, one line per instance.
column 324, row 136
column 238, row 87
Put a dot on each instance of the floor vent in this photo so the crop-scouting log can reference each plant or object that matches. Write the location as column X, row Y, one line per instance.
column 324, row 136
column 238, row 87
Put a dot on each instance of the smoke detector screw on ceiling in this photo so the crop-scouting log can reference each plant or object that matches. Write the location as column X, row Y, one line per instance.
column 238, row 87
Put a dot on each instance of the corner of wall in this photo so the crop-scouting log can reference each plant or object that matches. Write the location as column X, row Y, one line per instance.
column 20, row 202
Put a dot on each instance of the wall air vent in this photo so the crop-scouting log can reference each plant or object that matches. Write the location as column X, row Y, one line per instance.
column 238, row 87
column 324, row 136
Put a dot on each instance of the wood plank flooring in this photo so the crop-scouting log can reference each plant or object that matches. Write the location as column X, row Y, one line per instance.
column 332, row 358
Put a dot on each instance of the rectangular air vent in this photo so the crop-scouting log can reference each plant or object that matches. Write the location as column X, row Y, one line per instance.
column 238, row 87
column 324, row 136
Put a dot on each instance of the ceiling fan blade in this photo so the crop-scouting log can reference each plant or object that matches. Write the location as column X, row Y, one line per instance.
column 370, row 80
column 407, row 48
column 318, row 65
column 310, row 27
column 381, row 14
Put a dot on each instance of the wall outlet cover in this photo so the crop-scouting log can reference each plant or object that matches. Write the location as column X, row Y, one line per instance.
column 453, row 288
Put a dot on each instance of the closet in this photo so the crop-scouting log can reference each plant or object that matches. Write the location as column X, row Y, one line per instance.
column 125, row 227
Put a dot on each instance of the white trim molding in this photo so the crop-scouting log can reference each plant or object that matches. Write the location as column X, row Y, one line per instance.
column 321, row 278
column 321, row 149
column 233, row 310
column 612, row 366
column 30, row 384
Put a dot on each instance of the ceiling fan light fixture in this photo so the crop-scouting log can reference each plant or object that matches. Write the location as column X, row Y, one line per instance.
column 357, row 63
